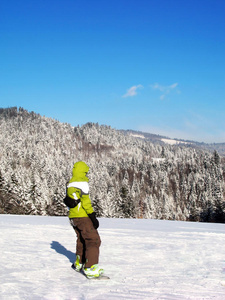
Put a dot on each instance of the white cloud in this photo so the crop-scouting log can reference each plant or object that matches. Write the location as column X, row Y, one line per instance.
column 157, row 86
column 165, row 90
column 173, row 86
column 132, row 91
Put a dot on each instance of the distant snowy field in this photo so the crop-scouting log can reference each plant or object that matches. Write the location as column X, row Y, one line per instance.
column 146, row 259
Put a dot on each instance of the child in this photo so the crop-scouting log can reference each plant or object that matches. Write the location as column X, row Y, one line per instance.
column 84, row 222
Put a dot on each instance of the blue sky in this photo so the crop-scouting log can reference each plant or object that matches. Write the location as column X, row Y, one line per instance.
column 151, row 65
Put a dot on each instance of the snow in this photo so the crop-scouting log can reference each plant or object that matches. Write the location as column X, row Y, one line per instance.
column 173, row 142
column 141, row 136
column 158, row 159
column 145, row 259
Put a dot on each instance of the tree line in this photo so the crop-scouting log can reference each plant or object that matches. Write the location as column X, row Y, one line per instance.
column 129, row 177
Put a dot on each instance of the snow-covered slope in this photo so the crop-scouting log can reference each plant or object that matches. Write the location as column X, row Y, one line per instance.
column 146, row 259
column 173, row 142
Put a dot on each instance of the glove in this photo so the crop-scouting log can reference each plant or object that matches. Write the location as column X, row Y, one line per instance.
column 71, row 203
column 94, row 220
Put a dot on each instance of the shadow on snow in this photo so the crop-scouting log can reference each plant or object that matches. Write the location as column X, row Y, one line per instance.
column 62, row 250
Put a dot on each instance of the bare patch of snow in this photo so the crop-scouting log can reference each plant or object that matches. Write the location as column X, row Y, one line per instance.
column 158, row 159
column 138, row 135
column 173, row 142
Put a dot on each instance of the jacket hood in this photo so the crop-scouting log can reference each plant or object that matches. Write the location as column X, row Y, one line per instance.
column 80, row 170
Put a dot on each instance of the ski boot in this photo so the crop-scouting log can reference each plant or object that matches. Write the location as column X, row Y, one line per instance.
column 93, row 272
column 77, row 266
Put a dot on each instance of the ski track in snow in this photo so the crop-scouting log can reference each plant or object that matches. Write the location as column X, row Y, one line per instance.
column 145, row 259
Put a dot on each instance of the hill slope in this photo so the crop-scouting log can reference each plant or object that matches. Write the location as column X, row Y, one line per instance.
column 154, row 138
column 129, row 176
column 145, row 259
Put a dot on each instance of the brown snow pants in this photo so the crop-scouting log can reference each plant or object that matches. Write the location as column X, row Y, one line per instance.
column 88, row 241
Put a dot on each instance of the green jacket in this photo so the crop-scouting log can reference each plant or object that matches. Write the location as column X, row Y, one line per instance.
column 78, row 188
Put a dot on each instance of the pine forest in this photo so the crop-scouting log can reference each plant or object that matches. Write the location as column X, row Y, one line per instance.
column 130, row 177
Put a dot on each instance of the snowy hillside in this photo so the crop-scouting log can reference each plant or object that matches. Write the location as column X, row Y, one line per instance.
column 130, row 177
column 146, row 259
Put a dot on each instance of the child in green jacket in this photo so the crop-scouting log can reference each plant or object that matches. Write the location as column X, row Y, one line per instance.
column 82, row 218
